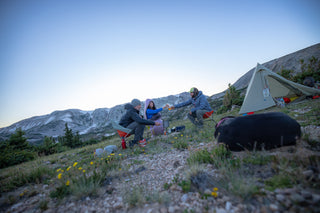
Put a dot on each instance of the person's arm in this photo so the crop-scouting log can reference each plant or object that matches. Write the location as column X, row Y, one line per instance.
column 186, row 103
column 154, row 111
column 138, row 119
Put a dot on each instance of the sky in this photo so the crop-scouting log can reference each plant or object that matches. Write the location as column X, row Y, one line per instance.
column 77, row 54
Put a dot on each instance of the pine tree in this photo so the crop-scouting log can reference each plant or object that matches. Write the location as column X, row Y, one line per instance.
column 71, row 140
column 68, row 136
column 18, row 141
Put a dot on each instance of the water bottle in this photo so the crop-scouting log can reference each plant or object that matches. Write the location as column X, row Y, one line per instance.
column 123, row 143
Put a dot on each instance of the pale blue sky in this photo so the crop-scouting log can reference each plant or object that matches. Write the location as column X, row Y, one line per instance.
column 63, row 54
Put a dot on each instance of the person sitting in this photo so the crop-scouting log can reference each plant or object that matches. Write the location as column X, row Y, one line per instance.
column 132, row 120
column 152, row 113
column 201, row 106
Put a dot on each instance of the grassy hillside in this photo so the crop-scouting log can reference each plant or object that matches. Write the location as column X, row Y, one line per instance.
column 179, row 172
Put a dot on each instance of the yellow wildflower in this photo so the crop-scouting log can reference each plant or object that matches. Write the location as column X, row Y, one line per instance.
column 68, row 168
column 62, row 170
column 59, row 175
column 120, row 154
column 112, row 154
column 101, row 158
column 68, row 183
column 214, row 194
column 91, row 163
column 75, row 164
column 21, row 194
column 83, row 171
column 80, row 168
column 181, row 135
column 215, row 189
column 58, row 170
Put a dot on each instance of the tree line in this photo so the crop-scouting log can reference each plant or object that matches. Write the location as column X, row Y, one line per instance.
column 17, row 149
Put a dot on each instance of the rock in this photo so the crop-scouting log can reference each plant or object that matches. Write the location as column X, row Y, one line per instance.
column 281, row 198
column 173, row 209
column 273, row 207
column 228, row 206
column 218, row 210
column 163, row 210
column 184, row 198
column 306, row 194
column 110, row 149
column 297, row 198
column 315, row 198
column 98, row 152
column 307, row 174
column 207, row 191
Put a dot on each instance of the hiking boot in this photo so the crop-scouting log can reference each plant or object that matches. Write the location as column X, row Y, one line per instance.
column 132, row 143
column 143, row 143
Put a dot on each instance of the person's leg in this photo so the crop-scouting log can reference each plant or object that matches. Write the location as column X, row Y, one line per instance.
column 137, row 130
column 192, row 118
column 200, row 114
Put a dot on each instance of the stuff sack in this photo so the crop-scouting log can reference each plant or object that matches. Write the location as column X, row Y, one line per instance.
column 258, row 131
column 157, row 130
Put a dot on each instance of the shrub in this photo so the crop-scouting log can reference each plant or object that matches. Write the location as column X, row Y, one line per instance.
column 232, row 97
column 49, row 147
column 312, row 68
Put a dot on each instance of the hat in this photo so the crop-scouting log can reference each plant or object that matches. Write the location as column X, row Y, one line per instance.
column 192, row 90
column 135, row 102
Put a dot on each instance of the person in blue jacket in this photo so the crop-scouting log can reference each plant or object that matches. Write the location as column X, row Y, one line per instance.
column 200, row 106
column 152, row 113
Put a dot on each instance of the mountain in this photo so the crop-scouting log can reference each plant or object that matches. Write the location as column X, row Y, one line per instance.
column 97, row 123
column 288, row 62
column 89, row 124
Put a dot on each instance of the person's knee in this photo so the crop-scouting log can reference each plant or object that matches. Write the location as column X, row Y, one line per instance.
column 140, row 127
column 200, row 114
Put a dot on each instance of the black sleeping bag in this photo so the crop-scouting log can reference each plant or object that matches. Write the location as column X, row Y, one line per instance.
column 258, row 131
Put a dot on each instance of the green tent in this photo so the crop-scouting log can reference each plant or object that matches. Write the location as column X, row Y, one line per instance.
column 266, row 87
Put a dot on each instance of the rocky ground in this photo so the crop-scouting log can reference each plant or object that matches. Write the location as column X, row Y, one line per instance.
column 151, row 172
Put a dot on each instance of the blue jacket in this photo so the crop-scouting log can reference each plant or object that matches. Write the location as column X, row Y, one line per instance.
column 199, row 103
column 152, row 112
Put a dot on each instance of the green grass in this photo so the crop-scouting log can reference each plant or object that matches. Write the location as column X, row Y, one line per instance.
column 18, row 176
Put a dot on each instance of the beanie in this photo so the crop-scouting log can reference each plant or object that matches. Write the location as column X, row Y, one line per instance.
column 135, row 102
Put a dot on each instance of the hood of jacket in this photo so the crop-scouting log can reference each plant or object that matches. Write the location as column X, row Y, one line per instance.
column 130, row 107
column 199, row 94
column 146, row 104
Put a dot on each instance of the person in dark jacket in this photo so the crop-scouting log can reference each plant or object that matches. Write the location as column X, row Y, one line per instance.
column 132, row 120
column 200, row 106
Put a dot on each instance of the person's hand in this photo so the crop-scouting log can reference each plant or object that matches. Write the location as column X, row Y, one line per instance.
column 171, row 108
column 190, row 112
column 166, row 106
column 157, row 123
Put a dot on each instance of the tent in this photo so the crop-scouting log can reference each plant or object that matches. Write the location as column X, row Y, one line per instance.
column 266, row 87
